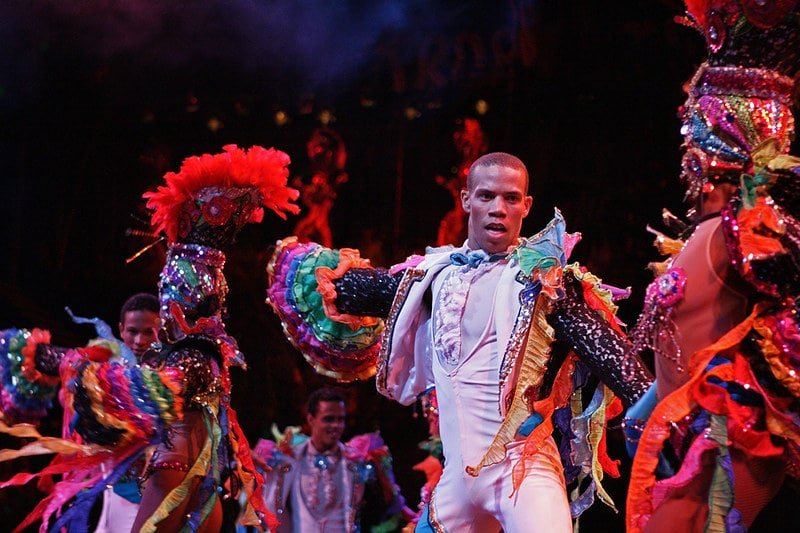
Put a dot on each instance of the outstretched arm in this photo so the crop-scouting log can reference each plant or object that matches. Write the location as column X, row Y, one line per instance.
column 48, row 358
column 331, row 304
column 366, row 291
column 606, row 351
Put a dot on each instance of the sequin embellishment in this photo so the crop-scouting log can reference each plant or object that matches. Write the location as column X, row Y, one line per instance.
column 656, row 328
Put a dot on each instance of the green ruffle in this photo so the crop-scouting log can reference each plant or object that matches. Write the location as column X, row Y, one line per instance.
column 309, row 304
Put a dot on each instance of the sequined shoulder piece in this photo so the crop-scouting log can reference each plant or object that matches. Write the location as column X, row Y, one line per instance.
column 199, row 370
column 763, row 243
column 656, row 330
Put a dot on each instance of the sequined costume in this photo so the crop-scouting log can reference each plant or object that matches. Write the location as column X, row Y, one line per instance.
column 25, row 393
column 488, row 353
column 719, row 431
column 324, row 492
column 27, row 350
column 178, row 398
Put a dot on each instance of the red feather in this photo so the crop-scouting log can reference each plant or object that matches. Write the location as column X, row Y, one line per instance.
column 260, row 168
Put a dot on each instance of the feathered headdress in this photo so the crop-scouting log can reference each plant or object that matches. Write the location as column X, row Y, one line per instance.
column 201, row 209
column 214, row 195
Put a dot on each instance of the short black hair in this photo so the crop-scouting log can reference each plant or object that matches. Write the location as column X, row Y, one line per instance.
column 497, row 159
column 324, row 394
column 143, row 301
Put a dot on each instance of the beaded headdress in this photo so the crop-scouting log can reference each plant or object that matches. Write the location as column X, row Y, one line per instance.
column 201, row 208
column 740, row 99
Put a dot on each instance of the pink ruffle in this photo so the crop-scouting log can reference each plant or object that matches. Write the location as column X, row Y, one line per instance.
column 362, row 447
column 697, row 459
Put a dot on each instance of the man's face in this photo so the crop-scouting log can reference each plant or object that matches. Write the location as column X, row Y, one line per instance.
column 328, row 425
column 496, row 204
column 139, row 329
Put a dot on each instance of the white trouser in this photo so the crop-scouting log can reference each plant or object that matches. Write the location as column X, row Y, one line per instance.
column 462, row 503
column 118, row 513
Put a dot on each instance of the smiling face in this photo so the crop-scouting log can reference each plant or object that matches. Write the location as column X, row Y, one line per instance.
column 139, row 329
column 327, row 425
column 496, row 201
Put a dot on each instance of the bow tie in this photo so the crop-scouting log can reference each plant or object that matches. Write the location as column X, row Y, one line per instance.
column 473, row 258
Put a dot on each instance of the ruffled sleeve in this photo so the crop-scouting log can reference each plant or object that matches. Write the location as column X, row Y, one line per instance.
column 27, row 392
column 311, row 291
column 117, row 403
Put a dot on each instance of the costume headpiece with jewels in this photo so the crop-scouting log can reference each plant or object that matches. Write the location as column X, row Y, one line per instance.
column 738, row 115
column 201, row 209
column 741, row 392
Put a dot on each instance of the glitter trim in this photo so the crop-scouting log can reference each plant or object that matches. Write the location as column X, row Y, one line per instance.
column 279, row 504
column 192, row 276
column 432, row 520
column 521, row 328
column 656, row 329
column 729, row 113
column 748, row 82
column 180, row 466
column 733, row 240
column 410, row 276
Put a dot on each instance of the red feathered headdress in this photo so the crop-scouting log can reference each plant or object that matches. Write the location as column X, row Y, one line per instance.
column 213, row 196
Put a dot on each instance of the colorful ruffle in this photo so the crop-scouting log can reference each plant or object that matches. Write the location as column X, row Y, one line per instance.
column 122, row 409
column 729, row 401
column 542, row 260
column 125, row 407
column 338, row 346
column 26, row 394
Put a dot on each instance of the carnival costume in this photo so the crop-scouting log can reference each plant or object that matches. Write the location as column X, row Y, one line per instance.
column 37, row 390
column 26, row 393
column 178, row 398
column 722, row 316
column 313, row 491
column 480, row 329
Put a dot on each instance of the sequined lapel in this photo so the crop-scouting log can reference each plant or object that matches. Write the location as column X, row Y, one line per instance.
column 506, row 308
column 410, row 276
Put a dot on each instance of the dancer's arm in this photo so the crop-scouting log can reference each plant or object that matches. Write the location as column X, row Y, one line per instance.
column 366, row 291
column 602, row 347
column 48, row 358
column 331, row 304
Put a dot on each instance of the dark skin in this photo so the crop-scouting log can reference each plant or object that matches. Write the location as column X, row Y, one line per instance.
column 711, row 203
column 327, row 425
column 162, row 481
column 139, row 329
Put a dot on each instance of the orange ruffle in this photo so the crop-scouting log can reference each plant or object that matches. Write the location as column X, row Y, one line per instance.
column 348, row 258
column 610, row 466
column 37, row 336
column 758, row 231
column 674, row 407
column 562, row 390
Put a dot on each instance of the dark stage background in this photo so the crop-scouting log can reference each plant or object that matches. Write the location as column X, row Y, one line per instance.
column 99, row 99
